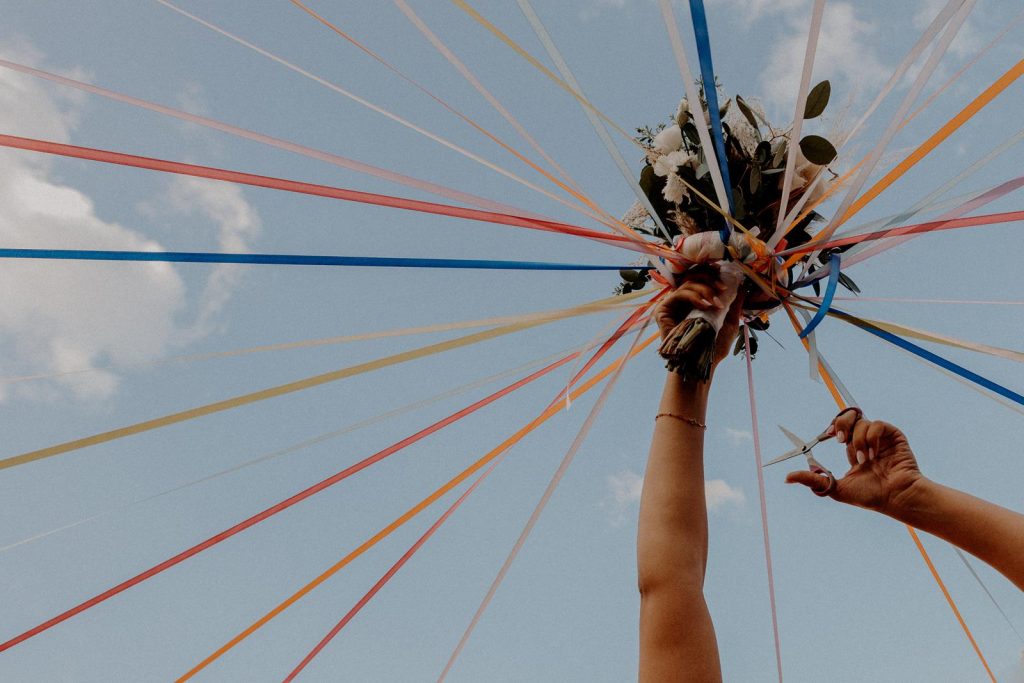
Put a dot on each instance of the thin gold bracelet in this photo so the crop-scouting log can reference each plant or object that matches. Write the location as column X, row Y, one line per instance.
column 687, row 420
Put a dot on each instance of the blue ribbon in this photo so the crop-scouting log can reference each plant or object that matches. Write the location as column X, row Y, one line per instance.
column 707, row 74
column 297, row 260
column 932, row 357
column 826, row 301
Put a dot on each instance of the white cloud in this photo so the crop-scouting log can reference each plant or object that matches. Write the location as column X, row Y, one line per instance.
column 719, row 494
column 738, row 437
column 625, row 487
column 63, row 317
column 845, row 55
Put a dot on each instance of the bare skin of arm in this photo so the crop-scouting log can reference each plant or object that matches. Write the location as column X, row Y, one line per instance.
column 677, row 637
column 884, row 477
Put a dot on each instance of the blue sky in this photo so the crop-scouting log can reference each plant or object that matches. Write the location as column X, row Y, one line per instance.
column 855, row 601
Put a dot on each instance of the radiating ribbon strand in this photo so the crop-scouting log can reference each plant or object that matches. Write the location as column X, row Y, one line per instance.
column 707, row 74
column 538, row 509
column 967, row 563
column 388, row 575
column 696, row 111
column 625, row 301
column 595, row 211
column 294, row 260
column 553, row 409
column 926, row 147
column 500, row 35
column 327, row 157
column 271, row 392
column 306, row 443
column 373, row 107
column 759, row 462
column 328, row 191
column 798, row 119
column 841, row 404
column 916, row 229
column 471, row 78
column 846, row 210
column 273, row 510
column 563, row 68
column 929, row 356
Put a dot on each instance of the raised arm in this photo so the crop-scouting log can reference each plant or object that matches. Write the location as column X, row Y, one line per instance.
column 884, row 477
column 677, row 638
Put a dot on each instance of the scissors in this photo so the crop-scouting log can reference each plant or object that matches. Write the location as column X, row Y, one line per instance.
column 804, row 448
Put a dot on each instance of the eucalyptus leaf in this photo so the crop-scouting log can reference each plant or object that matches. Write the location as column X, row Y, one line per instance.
column 779, row 158
column 762, row 152
column 739, row 204
column 817, row 99
column 845, row 281
column 817, row 149
column 755, row 179
column 690, row 133
column 629, row 275
column 747, row 112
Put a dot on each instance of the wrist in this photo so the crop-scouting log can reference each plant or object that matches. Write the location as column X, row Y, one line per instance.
column 688, row 397
column 914, row 503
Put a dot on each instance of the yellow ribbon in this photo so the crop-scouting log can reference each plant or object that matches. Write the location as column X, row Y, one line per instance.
column 298, row 385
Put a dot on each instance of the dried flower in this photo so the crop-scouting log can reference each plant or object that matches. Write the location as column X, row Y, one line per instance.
column 668, row 140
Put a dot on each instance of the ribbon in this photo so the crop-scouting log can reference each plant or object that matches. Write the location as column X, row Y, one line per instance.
column 798, row 119
column 327, row 157
column 851, row 204
column 373, row 107
column 295, row 260
column 471, row 78
column 707, row 74
column 273, row 392
column 306, row 443
column 911, row 57
column 362, row 602
column 331, row 192
column 826, row 301
column 594, row 211
column 538, row 509
column 503, row 37
column 598, row 126
column 496, row 452
column 693, row 96
column 929, row 356
column 759, row 461
column 916, row 229
column 625, row 302
column 273, row 510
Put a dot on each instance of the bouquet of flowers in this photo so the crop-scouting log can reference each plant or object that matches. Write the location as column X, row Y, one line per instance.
column 677, row 180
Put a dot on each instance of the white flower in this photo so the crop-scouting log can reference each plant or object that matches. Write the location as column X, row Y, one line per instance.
column 667, row 163
column 668, row 140
column 683, row 110
column 674, row 190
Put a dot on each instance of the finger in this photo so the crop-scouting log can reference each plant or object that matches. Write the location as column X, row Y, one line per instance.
column 873, row 438
column 844, row 423
column 818, row 483
column 858, row 443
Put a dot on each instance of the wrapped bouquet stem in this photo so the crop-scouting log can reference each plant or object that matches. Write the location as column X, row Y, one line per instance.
column 689, row 347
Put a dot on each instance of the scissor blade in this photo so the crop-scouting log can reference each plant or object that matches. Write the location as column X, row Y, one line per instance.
column 786, row 456
column 796, row 440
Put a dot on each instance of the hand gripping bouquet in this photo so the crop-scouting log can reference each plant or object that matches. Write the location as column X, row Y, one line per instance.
column 677, row 181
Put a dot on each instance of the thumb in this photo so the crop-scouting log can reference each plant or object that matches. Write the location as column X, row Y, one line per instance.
column 816, row 482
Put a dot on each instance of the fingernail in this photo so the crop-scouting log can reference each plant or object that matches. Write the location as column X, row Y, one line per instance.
column 831, row 431
column 861, row 458
column 841, row 436
column 706, row 302
column 871, row 454
column 718, row 302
